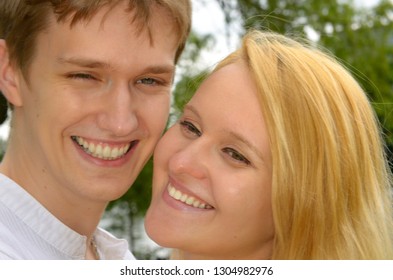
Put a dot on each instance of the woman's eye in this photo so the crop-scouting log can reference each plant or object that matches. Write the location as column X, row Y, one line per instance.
column 190, row 128
column 236, row 155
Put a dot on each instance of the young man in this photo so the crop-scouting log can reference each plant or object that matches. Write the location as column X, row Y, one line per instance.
column 89, row 85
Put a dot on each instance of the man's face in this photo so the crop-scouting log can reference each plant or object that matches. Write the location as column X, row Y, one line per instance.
column 95, row 104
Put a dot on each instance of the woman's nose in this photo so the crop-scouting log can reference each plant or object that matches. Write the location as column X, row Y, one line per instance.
column 190, row 159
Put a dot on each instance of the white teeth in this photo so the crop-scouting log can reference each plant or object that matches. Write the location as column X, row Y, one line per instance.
column 102, row 151
column 189, row 200
column 196, row 203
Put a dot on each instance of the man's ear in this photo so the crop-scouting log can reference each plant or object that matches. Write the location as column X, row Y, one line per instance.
column 9, row 79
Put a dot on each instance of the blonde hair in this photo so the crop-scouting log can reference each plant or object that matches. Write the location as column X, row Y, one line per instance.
column 331, row 188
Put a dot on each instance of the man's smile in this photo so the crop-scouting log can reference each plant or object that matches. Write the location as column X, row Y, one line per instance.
column 103, row 150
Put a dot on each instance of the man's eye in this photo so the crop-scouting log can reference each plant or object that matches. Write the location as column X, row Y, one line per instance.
column 236, row 155
column 148, row 81
column 81, row 76
column 190, row 128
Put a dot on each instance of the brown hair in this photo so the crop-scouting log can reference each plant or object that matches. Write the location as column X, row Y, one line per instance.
column 22, row 20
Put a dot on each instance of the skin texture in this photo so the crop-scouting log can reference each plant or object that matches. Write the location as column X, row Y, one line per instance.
column 100, row 81
column 218, row 156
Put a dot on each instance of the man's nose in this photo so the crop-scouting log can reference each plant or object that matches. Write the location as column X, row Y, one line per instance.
column 119, row 114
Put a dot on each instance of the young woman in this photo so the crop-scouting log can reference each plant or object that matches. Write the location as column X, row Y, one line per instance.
column 277, row 156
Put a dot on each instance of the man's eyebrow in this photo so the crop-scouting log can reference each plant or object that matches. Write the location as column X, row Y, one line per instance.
column 93, row 63
column 83, row 62
column 160, row 69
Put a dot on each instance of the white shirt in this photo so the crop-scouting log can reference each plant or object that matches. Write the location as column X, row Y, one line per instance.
column 29, row 231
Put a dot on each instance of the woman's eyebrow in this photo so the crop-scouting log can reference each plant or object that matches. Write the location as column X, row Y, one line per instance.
column 247, row 143
column 192, row 109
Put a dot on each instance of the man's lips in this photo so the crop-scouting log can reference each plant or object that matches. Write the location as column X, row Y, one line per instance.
column 104, row 151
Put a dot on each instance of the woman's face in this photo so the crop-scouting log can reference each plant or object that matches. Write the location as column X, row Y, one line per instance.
column 213, row 173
